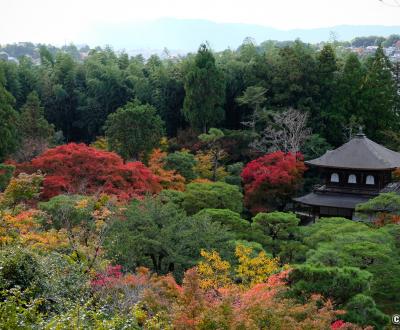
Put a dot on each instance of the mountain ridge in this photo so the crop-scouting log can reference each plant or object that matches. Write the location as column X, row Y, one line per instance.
column 186, row 34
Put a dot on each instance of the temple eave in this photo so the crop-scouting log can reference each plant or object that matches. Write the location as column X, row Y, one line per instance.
column 332, row 200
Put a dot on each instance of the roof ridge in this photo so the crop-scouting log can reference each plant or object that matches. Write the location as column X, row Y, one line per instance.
column 359, row 153
column 372, row 146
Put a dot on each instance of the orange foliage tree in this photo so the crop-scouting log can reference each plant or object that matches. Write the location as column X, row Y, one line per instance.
column 190, row 306
column 24, row 228
column 169, row 179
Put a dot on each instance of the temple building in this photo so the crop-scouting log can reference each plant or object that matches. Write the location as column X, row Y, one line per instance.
column 352, row 174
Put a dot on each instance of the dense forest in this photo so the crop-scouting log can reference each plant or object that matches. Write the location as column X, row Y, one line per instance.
column 155, row 193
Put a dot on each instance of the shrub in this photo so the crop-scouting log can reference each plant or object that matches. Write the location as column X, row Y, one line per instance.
column 216, row 195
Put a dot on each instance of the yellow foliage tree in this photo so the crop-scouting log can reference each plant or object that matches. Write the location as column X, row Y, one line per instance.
column 213, row 271
column 254, row 270
column 24, row 228
column 100, row 143
column 216, row 273
column 169, row 179
column 204, row 167
column 22, row 189
column 85, row 240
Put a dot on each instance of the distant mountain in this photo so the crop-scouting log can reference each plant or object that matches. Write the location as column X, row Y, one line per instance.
column 185, row 35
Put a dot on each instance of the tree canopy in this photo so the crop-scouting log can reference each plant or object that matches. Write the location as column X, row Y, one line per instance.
column 133, row 130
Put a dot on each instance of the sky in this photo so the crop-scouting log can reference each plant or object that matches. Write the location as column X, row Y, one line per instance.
column 64, row 21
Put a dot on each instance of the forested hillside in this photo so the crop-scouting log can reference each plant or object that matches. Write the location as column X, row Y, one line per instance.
column 156, row 194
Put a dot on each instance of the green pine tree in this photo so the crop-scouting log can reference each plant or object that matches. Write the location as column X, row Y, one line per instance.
column 204, row 87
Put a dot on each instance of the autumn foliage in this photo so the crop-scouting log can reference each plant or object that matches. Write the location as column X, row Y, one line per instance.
column 24, row 228
column 169, row 179
column 77, row 168
column 271, row 179
column 216, row 273
column 263, row 306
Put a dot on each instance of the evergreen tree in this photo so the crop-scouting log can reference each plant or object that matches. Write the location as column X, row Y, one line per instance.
column 379, row 96
column 295, row 80
column 134, row 129
column 349, row 93
column 8, row 118
column 28, row 79
column 105, row 89
column 253, row 97
column 59, row 95
column 204, row 87
column 34, row 130
column 331, row 116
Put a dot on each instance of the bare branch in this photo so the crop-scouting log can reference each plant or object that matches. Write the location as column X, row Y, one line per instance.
column 287, row 132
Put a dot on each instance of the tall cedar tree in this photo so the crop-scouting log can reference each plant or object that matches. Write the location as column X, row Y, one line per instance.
column 58, row 89
column 331, row 117
column 8, row 119
column 349, row 90
column 105, row 90
column 295, row 79
column 133, row 130
column 35, row 132
column 379, row 96
column 205, row 88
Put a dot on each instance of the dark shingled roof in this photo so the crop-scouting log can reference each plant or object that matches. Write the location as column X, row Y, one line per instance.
column 359, row 153
column 343, row 201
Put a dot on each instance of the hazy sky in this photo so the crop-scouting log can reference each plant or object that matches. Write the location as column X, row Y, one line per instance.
column 64, row 21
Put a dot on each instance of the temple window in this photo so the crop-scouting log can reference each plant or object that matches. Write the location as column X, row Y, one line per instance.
column 334, row 177
column 352, row 178
column 370, row 180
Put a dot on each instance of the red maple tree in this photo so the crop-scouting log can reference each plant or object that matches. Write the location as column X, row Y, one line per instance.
column 79, row 169
column 271, row 179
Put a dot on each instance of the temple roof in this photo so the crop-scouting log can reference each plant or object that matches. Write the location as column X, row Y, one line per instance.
column 343, row 201
column 359, row 153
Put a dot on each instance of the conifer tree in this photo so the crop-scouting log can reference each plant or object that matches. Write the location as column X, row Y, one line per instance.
column 204, row 87
column 349, row 93
column 8, row 118
column 379, row 96
column 331, row 118
column 35, row 132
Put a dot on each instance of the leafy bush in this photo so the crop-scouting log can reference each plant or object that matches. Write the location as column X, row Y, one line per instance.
column 183, row 162
column 340, row 284
column 161, row 237
column 19, row 268
column 216, row 195
column 229, row 219
column 362, row 310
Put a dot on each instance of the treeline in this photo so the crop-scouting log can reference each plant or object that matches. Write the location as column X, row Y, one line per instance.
column 230, row 90
column 375, row 41
column 18, row 50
